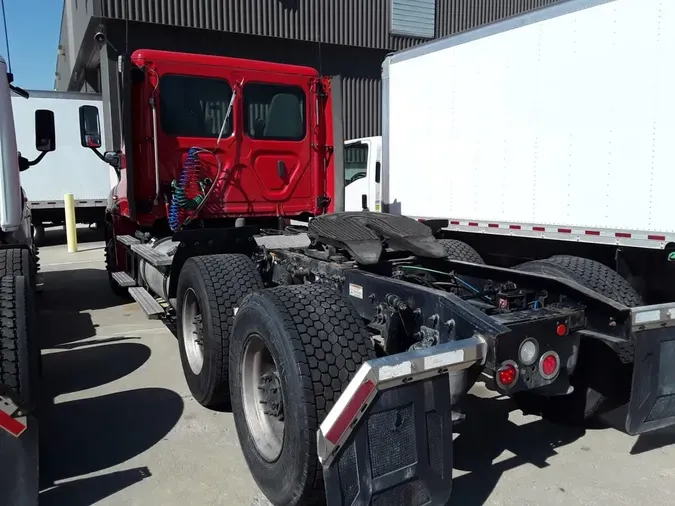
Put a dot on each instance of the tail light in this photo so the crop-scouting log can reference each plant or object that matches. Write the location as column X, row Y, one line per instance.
column 549, row 365
column 507, row 375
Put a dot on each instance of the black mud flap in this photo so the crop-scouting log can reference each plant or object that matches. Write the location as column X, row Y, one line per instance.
column 652, row 400
column 388, row 440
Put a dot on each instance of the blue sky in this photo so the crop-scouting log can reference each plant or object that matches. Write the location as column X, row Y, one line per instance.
column 34, row 27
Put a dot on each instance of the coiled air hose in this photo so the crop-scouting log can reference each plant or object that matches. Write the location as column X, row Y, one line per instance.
column 192, row 190
column 187, row 190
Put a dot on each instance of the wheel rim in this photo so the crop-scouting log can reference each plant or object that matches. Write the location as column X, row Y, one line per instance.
column 193, row 331
column 263, row 398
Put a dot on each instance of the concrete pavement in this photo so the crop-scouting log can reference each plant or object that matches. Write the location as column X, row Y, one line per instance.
column 123, row 430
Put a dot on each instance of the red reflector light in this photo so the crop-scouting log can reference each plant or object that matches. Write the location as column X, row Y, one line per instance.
column 11, row 425
column 549, row 365
column 507, row 374
column 350, row 413
column 561, row 329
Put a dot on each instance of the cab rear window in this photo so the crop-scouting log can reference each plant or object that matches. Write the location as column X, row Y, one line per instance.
column 191, row 106
column 274, row 112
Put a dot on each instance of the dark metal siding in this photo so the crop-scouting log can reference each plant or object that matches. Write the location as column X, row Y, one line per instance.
column 300, row 26
column 361, row 23
column 453, row 16
column 361, row 106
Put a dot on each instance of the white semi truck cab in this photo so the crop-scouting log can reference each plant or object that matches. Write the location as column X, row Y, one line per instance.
column 15, row 225
column 363, row 166
column 19, row 347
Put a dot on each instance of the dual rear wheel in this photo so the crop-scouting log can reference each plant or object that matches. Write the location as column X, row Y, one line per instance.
column 280, row 364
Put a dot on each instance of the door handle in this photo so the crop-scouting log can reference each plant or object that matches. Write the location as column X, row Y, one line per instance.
column 281, row 170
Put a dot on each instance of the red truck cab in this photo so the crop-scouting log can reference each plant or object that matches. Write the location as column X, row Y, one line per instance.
column 270, row 159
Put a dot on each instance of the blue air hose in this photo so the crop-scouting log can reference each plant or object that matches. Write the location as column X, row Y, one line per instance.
column 180, row 200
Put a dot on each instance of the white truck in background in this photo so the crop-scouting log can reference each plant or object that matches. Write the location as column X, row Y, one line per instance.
column 20, row 363
column 362, row 164
column 545, row 137
column 70, row 169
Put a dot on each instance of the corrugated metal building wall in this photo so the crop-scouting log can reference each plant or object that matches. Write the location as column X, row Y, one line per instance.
column 347, row 37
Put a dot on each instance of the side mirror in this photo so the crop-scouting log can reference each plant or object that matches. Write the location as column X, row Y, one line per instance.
column 378, row 171
column 90, row 127
column 45, row 131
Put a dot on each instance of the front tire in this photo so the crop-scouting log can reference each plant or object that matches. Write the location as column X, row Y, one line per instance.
column 210, row 290
column 18, row 262
column 19, row 350
column 310, row 341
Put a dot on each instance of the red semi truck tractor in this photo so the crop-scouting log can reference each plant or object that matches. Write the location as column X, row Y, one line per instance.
column 343, row 348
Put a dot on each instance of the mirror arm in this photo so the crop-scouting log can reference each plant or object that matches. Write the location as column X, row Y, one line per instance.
column 38, row 159
column 113, row 162
column 25, row 163
column 98, row 153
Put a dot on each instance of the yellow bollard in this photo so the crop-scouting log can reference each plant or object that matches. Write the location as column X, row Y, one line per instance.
column 71, row 231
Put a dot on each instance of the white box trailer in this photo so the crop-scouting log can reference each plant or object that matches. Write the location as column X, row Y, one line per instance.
column 69, row 169
column 550, row 133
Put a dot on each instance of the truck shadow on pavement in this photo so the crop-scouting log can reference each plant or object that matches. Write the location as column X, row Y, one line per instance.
column 68, row 294
column 88, row 435
column 85, row 434
column 486, row 434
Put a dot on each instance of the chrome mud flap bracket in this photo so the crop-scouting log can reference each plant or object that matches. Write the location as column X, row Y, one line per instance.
column 652, row 399
column 388, row 439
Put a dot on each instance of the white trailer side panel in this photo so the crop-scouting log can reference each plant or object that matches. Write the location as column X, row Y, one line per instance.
column 69, row 169
column 564, row 116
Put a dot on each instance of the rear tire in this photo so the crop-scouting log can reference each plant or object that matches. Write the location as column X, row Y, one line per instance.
column 458, row 250
column 589, row 273
column 19, row 350
column 38, row 234
column 599, row 378
column 216, row 284
column 315, row 341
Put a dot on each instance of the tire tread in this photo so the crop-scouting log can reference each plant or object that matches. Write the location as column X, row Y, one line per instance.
column 330, row 344
column 459, row 250
column 228, row 278
column 19, row 358
column 591, row 274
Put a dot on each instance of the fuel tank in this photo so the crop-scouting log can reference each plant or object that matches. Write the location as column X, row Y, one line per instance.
column 157, row 280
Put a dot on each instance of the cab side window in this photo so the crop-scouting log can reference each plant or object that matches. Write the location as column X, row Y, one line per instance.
column 356, row 162
column 274, row 112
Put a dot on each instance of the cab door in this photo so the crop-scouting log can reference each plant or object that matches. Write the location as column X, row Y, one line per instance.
column 277, row 170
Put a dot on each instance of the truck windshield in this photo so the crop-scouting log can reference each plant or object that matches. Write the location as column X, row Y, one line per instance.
column 356, row 162
column 192, row 106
